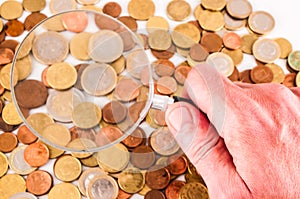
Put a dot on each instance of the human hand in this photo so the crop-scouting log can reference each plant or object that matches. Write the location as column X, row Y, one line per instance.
column 248, row 144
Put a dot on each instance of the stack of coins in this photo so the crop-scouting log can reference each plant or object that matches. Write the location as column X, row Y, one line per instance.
column 148, row 162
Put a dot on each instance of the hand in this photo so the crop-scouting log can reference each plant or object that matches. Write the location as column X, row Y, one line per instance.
column 248, row 145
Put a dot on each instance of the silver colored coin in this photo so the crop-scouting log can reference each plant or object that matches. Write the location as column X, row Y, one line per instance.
column 266, row 50
column 86, row 177
column 104, row 187
column 222, row 62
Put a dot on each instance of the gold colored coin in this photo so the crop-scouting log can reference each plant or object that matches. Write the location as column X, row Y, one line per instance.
column 131, row 180
column 92, row 8
column 162, row 161
column 64, row 191
column 179, row 10
column 54, row 24
column 285, row 47
column 88, row 2
column 67, row 168
column 86, row 115
column 57, row 6
column 38, row 121
column 86, row 177
column 114, row 158
column 211, row 21
column 82, row 144
column 89, row 162
column 192, row 62
column 215, row 5
column 141, row 9
column 34, row 5
column 53, row 152
column 119, row 64
column 17, row 162
column 194, row 190
column 144, row 91
column 1, row 25
column 61, row 76
column 10, row 114
column 7, row 96
column 278, row 73
column 261, row 22
column 3, row 164
column 57, row 134
column 11, row 10
column 5, row 76
column 298, row 80
column 198, row 11
column 236, row 55
column 79, row 45
column 247, row 43
column 266, row 50
column 150, row 119
column 11, row 184
column 23, row 67
column 145, row 190
column 185, row 35
column 26, row 46
column 160, row 40
column 102, row 186
column 157, row 23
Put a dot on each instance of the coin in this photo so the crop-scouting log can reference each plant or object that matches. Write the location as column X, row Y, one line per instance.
column 131, row 180
column 9, row 43
column 163, row 67
column 14, row 28
column 79, row 46
column 25, row 136
column 173, row 189
column 141, row 9
column 104, row 75
column 56, row 51
column 86, row 115
column 23, row 195
column 128, row 41
column 119, row 64
column 294, row 60
column 88, row 2
column 38, row 121
column 67, row 168
column 82, row 133
column 166, row 85
column 11, row 10
column 54, row 23
column 3, row 164
column 177, row 164
column 135, row 139
column 160, row 40
column 75, row 21
column 123, row 195
column 114, row 112
column 290, row 80
column 185, row 35
column 222, row 62
column 285, row 47
column 6, row 56
column 33, row 19
column 103, row 22
column 212, row 42
column 102, row 186
column 112, row 8
column 240, row 9
column 39, row 182
column 24, row 67
column 10, row 114
column 261, row 74
column 64, row 191
column 57, row 6
column 127, row 89
column 266, row 50
column 57, row 134
column 178, row 10
column 53, row 152
column 159, row 118
column 142, row 157
column 5, row 78
column 114, row 158
column 194, row 189
column 232, row 40
column 33, row 5
column 211, row 21
column 105, row 46
column 155, row 194
column 11, row 184
column 247, row 43
column 8, row 142
column 198, row 52
column 157, row 177
column 162, row 142
column 216, row 5
column 278, row 73
column 36, row 154
column 86, row 177
column 245, row 76
column 164, row 54
column 157, row 23
column 236, row 55
column 233, row 23
column 298, row 80
column 261, row 22
column 60, row 104
column 81, row 144
column 89, row 162
column 136, row 61
column 235, row 75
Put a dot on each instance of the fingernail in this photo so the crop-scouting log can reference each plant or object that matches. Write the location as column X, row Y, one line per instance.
column 179, row 117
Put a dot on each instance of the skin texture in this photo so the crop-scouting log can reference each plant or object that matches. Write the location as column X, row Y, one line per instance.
column 245, row 140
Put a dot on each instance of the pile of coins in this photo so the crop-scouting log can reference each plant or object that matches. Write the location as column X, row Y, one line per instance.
column 86, row 91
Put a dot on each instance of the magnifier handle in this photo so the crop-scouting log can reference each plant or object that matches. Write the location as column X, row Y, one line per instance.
column 161, row 102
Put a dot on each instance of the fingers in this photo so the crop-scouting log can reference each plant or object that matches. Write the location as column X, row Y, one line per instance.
column 206, row 150
column 296, row 91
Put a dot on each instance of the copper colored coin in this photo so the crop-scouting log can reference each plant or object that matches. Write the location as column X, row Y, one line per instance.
column 235, row 75
column 181, row 73
column 33, row 19
column 177, row 164
column 80, row 68
column 77, row 132
column 44, row 77
column 159, row 117
column 31, row 93
column 198, row 52
column 127, row 89
column 164, row 67
column 245, row 76
column 135, row 139
column 107, row 135
column 25, row 135
column 8, row 142
column 212, row 42
column 232, row 40
column 196, row 23
column 14, row 28
column 142, row 157
column 166, row 85
column 6, row 56
column 164, row 54
column 128, row 41
column 39, row 182
column 173, row 189
column 114, row 112
column 36, row 154
column 129, row 22
column 6, row 127
column 145, row 76
column 2, row 36
column 9, row 43
column 135, row 110
column 155, row 194
column 75, row 21
column 123, row 195
column 157, row 177
column 103, row 22
column 112, row 8
column 261, row 74
column 290, row 80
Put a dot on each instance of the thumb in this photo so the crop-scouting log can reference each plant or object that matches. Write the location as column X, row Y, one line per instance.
column 206, row 150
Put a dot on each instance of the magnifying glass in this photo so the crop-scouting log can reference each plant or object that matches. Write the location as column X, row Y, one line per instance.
column 82, row 80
